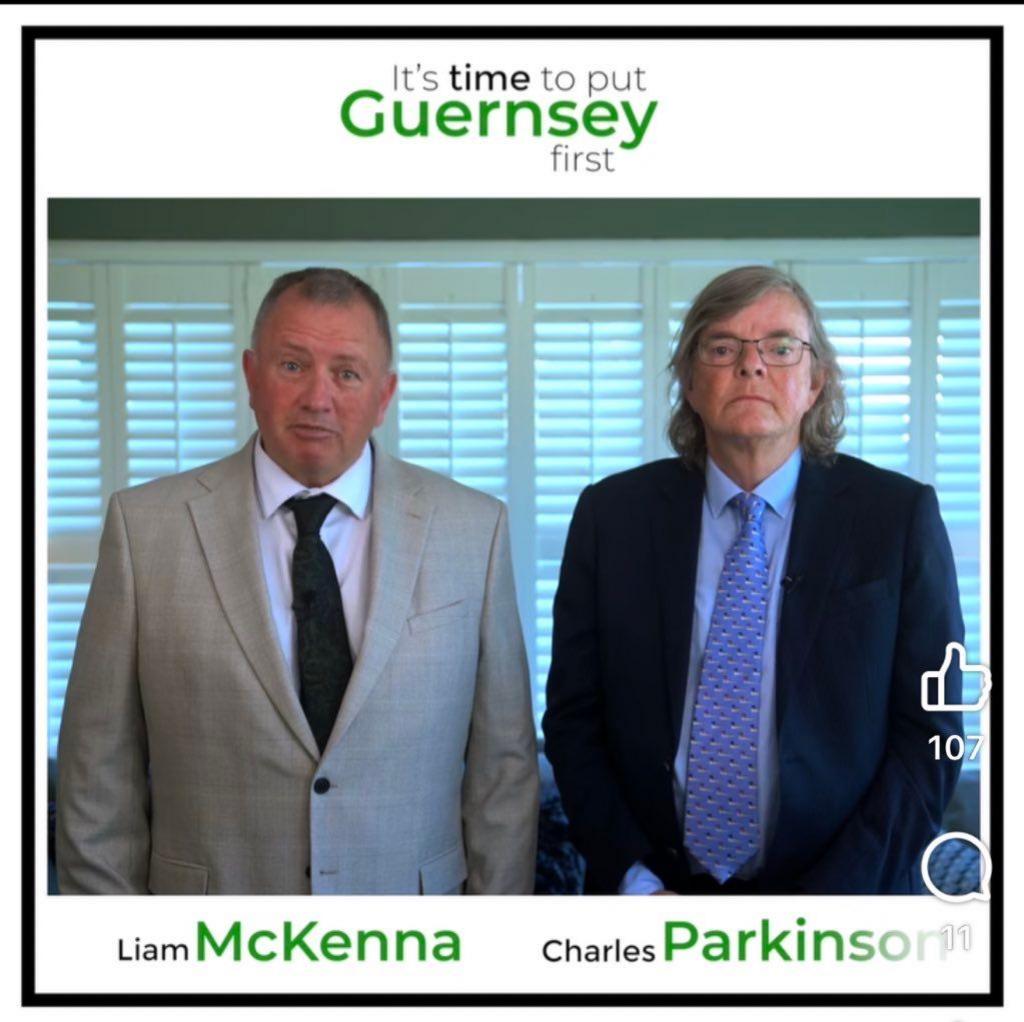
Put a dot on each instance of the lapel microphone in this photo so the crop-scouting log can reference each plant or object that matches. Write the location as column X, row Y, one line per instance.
column 790, row 582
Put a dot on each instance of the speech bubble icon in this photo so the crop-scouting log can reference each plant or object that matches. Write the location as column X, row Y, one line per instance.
column 958, row 835
column 954, row 649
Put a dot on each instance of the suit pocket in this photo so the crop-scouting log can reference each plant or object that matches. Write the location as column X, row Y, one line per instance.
column 444, row 874
column 875, row 591
column 171, row 876
column 438, row 617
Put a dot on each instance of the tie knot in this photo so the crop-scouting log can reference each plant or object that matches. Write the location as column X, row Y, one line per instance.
column 751, row 507
column 310, row 512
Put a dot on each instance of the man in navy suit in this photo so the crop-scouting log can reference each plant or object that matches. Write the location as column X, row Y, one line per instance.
column 734, row 703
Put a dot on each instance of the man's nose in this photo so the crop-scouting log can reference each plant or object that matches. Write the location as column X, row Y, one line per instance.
column 316, row 392
column 749, row 363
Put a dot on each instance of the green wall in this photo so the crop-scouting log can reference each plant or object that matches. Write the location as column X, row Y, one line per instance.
column 492, row 219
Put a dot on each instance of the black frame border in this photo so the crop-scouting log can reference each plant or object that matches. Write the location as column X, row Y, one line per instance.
column 30, row 34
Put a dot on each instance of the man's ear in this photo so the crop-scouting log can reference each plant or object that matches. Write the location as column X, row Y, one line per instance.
column 248, row 370
column 817, row 383
column 388, row 393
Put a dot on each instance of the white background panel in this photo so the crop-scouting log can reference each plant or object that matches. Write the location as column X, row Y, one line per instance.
column 736, row 118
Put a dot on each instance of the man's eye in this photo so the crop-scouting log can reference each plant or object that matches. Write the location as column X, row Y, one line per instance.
column 782, row 347
column 289, row 365
column 349, row 375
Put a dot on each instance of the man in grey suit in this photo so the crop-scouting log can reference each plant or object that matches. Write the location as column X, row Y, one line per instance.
column 300, row 669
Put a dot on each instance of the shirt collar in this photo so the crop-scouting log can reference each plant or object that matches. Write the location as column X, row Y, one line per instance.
column 778, row 490
column 274, row 486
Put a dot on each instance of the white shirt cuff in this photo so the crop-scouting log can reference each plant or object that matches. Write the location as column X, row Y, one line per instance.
column 640, row 880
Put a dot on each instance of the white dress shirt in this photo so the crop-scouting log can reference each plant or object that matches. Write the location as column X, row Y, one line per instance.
column 345, row 532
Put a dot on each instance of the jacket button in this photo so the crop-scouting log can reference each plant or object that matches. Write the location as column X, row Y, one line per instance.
column 672, row 853
column 321, row 785
column 667, row 765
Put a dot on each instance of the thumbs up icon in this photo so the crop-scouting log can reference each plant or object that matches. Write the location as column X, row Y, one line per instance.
column 935, row 681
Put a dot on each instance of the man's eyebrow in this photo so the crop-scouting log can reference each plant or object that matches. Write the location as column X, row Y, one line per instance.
column 349, row 359
column 287, row 347
column 291, row 347
column 720, row 335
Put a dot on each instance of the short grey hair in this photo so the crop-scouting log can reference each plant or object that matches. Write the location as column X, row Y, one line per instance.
column 822, row 426
column 326, row 285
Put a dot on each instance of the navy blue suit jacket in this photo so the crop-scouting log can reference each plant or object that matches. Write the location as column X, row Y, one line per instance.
column 871, row 604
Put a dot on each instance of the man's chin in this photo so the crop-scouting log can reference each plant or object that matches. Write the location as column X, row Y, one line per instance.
column 319, row 472
column 754, row 427
column 308, row 464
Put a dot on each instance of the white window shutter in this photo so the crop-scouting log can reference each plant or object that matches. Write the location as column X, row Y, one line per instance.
column 453, row 372
column 866, row 311
column 957, row 464
column 181, row 342
column 525, row 378
column 74, row 442
column 588, row 343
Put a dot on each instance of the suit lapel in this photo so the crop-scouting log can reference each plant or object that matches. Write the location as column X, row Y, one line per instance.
column 225, row 520
column 676, row 538
column 398, row 535
column 817, row 542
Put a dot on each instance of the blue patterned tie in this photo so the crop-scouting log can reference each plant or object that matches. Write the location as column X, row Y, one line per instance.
column 721, row 827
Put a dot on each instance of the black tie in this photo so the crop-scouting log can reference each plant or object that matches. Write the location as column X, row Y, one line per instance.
column 325, row 660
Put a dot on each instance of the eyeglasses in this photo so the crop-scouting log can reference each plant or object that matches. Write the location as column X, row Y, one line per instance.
column 774, row 351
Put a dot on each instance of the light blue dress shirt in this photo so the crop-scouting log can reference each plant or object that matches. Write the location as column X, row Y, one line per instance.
column 719, row 527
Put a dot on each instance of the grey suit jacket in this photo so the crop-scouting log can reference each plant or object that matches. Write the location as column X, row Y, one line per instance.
column 186, row 765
